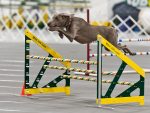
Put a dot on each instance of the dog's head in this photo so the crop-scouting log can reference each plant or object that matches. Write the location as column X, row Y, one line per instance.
column 60, row 20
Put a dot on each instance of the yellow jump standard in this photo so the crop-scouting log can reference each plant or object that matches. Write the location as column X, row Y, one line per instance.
column 51, row 87
column 125, row 96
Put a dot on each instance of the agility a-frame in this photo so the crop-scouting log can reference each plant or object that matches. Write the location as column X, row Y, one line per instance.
column 125, row 96
column 50, row 87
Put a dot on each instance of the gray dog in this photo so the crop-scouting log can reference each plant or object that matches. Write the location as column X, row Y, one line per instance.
column 75, row 28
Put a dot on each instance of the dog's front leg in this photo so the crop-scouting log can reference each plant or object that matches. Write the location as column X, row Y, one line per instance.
column 56, row 29
column 60, row 34
column 68, row 34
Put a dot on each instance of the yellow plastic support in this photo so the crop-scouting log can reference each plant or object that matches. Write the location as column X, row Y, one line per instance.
column 96, row 23
column 48, row 90
column 45, row 47
column 121, row 100
column 149, row 3
column 119, row 54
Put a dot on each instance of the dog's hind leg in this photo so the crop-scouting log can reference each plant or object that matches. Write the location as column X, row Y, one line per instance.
column 126, row 49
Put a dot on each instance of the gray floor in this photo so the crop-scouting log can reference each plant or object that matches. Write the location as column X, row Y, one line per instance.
column 83, row 94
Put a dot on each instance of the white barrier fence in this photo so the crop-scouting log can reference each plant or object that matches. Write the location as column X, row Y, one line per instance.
column 12, row 27
column 129, row 28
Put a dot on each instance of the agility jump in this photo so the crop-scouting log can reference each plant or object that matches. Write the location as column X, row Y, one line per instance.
column 124, row 97
column 52, row 87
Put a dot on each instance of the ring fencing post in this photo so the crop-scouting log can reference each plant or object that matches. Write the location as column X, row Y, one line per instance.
column 88, row 45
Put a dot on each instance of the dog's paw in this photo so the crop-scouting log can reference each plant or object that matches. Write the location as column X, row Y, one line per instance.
column 71, row 39
column 61, row 35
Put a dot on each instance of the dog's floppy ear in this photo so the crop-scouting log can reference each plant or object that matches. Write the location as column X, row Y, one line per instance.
column 64, row 15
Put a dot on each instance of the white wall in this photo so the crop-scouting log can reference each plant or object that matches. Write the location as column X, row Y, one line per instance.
column 99, row 10
column 102, row 9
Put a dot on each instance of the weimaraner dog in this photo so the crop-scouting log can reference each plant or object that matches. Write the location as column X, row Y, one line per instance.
column 75, row 28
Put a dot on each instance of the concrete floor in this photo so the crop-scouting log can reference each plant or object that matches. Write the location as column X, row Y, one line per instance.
column 83, row 94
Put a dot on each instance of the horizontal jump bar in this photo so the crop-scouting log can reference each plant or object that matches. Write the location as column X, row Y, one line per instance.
column 70, row 69
column 111, row 72
column 110, row 54
column 62, row 60
column 134, row 40
column 131, row 40
column 94, row 79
